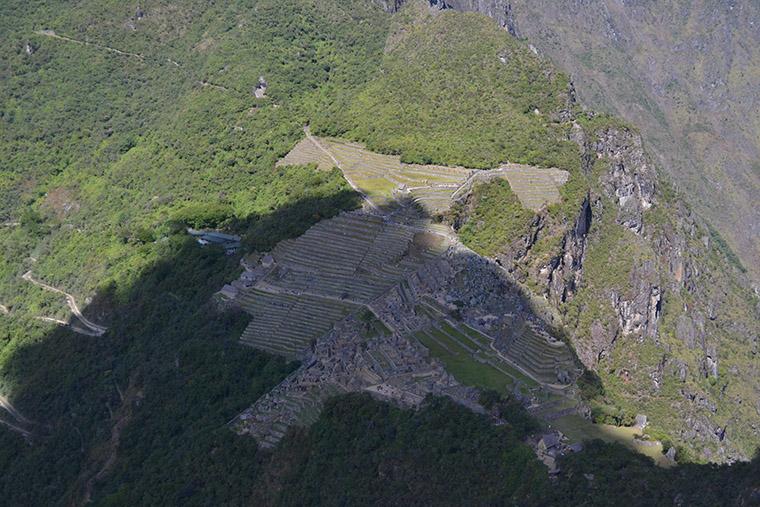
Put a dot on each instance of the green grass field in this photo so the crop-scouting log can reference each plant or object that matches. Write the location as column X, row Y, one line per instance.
column 578, row 429
column 460, row 363
column 468, row 356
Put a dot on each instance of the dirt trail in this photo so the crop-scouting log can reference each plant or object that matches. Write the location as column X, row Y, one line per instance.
column 8, row 407
column 95, row 329
column 52, row 34
column 339, row 166
column 207, row 84
column 19, row 423
column 53, row 320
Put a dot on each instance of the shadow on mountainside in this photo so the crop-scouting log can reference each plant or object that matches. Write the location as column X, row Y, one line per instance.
column 139, row 415
column 156, row 390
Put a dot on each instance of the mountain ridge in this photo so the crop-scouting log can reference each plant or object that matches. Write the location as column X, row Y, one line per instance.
column 624, row 61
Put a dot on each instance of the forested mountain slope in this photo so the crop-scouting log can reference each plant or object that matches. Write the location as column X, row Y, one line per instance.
column 685, row 73
column 651, row 299
column 121, row 125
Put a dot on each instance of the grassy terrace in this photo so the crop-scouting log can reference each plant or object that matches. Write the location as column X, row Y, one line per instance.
column 467, row 354
column 468, row 349
column 462, row 365
column 533, row 353
column 381, row 176
column 327, row 273
column 535, row 187
column 306, row 152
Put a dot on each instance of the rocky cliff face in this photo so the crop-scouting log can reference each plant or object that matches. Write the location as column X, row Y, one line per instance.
column 683, row 72
column 499, row 10
column 647, row 297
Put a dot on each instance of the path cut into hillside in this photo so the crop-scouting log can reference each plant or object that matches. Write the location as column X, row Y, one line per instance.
column 359, row 191
column 147, row 59
column 92, row 328
column 53, row 35
column 14, row 420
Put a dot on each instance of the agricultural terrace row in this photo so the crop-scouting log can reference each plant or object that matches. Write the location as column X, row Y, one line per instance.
column 330, row 271
column 384, row 178
column 528, row 358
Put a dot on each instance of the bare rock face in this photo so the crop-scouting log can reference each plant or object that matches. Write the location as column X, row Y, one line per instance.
column 638, row 314
column 670, row 69
column 677, row 265
column 592, row 351
column 680, row 297
column 686, row 331
column 565, row 271
column 260, row 90
column 632, row 179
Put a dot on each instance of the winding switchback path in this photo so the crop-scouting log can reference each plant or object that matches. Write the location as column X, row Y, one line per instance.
column 96, row 329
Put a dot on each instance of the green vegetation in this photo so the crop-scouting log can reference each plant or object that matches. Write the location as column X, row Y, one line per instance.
column 106, row 157
column 594, row 122
column 175, row 361
column 606, row 474
column 372, row 326
column 442, row 454
column 461, row 364
column 613, row 253
column 467, row 354
column 496, row 218
column 446, row 67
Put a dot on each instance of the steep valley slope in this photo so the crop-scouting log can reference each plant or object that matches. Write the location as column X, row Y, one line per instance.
column 684, row 72
column 648, row 296
column 121, row 126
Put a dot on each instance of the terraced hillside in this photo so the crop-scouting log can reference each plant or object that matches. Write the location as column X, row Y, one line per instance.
column 534, row 186
column 382, row 177
column 539, row 354
column 469, row 354
column 306, row 152
column 286, row 324
column 528, row 358
column 330, row 271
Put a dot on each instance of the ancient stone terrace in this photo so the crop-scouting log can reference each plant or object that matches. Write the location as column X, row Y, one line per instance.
column 468, row 315
column 354, row 257
column 468, row 353
column 386, row 365
column 327, row 273
column 546, row 359
column 305, row 153
column 390, row 303
column 535, row 186
column 286, row 324
column 449, row 326
column 383, row 178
